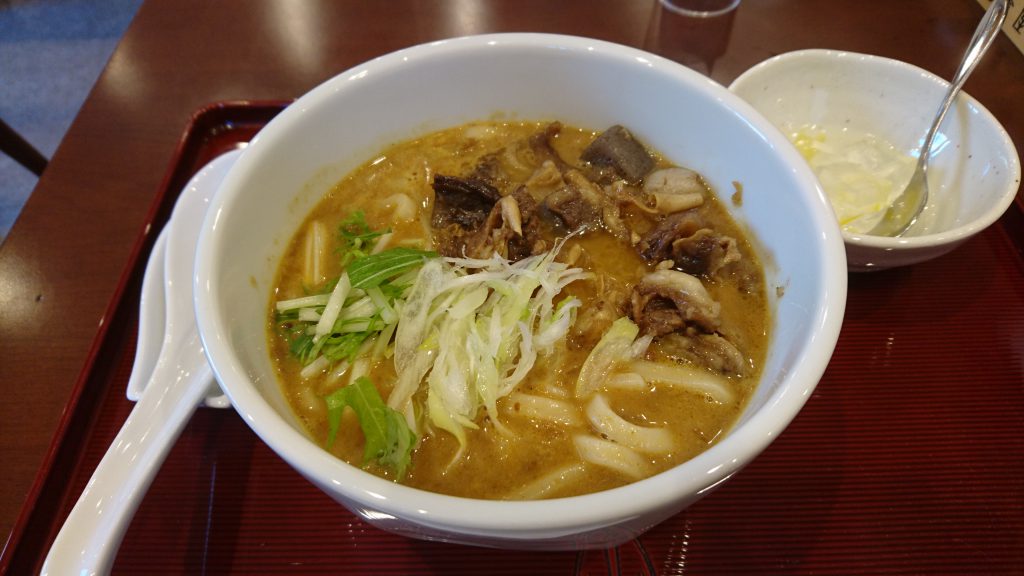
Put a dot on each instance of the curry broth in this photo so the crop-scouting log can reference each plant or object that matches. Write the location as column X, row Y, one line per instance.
column 495, row 466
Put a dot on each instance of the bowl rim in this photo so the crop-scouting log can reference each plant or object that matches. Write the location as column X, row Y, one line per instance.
column 556, row 517
column 924, row 241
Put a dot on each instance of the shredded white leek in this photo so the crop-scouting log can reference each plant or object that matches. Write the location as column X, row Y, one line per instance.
column 614, row 347
column 333, row 308
column 473, row 328
column 315, row 367
column 315, row 253
column 303, row 302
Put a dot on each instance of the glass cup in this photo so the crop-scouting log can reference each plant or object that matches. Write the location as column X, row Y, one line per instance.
column 694, row 33
column 699, row 8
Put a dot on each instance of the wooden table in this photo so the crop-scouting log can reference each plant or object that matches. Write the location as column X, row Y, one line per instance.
column 66, row 255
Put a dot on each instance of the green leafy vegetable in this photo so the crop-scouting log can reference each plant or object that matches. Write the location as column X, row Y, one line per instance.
column 388, row 438
column 360, row 305
column 357, row 238
column 373, row 270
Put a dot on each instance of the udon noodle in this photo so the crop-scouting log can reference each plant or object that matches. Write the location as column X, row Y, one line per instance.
column 519, row 310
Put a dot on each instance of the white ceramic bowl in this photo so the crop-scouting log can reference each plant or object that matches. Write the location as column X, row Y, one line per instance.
column 583, row 82
column 972, row 177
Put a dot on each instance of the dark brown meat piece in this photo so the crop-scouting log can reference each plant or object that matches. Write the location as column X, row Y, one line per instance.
column 692, row 247
column 462, row 202
column 616, row 148
column 704, row 252
column 710, row 350
column 472, row 219
column 675, row 308
column 575, row 210
column 507, row 168
column 581, row 204
column 511, row 230
column 503, row 225
column 490, row 171
column 656, row 245
column 666, row 301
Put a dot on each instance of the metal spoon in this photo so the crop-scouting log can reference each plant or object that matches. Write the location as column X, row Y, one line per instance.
column 903, row 212
column 89, row 539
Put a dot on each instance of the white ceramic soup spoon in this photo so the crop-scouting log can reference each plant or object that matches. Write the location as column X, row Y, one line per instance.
column 157, row 332
column 181, row 378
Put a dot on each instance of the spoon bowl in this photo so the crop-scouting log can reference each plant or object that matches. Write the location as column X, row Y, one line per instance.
column 905, row 209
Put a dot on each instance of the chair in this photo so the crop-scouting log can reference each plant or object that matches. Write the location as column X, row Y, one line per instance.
column 12, row 144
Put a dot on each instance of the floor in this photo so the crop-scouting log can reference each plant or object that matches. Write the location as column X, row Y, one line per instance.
column 51, row 53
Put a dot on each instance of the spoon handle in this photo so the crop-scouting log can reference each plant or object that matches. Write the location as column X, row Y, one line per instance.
column 92, row 533
column 984, row 34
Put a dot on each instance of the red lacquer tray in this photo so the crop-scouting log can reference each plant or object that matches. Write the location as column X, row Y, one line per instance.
column 909, row 457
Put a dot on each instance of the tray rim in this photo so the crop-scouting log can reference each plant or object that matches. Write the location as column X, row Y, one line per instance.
column 1011, row 225
column 143, row 243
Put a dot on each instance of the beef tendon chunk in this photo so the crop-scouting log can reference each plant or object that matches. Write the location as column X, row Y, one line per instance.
column 666, row 300
column 712, row 351
column 508, row 167
column 656, row 245
column 616, row 149
column 676, row 309
column 581, row 204
column 704, row 252
column 674, row 189
column 690, row 245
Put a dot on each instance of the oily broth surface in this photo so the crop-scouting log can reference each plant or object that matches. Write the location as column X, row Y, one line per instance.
column 495, row 466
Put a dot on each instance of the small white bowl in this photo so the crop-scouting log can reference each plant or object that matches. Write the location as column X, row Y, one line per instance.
column 974, row 170
column 589, row 83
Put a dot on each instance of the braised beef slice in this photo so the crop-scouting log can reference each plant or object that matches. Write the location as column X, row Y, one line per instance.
column 658, row 316
column 574, row 210
column 704, row 252
column 665, row 301
column 616, row 148
column 531, row 241
column 489, row 171
column 582, row 204
column 472, row 219
column 710, row 350
column 510, row 229
column 656, row 245
column 503, row 169
column 462, row 202
column 692, row 247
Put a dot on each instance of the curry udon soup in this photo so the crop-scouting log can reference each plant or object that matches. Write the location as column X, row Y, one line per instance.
column 515, row 310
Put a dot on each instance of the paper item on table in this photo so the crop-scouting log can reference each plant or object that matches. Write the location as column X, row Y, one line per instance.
column 1013, row 26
